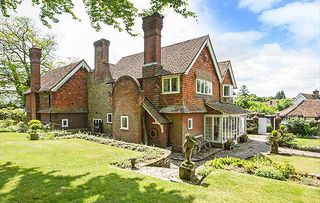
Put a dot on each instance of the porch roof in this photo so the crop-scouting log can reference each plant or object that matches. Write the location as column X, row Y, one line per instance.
column 151, row 109
column 226, row 107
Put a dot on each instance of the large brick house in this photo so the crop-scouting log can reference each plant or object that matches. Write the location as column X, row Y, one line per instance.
column 153, row 97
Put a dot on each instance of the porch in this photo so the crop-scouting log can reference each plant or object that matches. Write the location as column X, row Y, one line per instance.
column 220, row 128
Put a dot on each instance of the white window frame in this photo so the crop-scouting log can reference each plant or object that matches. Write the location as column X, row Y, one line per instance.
column 121, row 126
column 205, row 83
column 67, row 122
column 170, row 84
column 109, row 114
column 190, row 121
column 230, row 90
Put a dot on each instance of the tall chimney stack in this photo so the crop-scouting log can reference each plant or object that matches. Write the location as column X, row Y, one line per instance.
column 35, row 56
column 101, row 57
column 316, row 94
column 152, row 26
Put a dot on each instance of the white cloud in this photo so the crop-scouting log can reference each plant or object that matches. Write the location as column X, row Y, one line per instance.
column 301, row 19
column 257, row 5
column 265, row 69
column 274, row 68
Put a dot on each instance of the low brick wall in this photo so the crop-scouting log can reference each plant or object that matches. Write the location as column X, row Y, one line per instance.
column 163, row 161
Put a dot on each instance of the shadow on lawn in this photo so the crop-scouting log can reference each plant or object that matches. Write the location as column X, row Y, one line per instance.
column 33, row 185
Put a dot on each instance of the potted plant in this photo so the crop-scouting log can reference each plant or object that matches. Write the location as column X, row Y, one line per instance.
column 35, row 128
column 229, row 144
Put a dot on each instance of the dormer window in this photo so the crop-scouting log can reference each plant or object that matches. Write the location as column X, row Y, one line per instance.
column 204, row 87
column 227, row 91
column 170, row 84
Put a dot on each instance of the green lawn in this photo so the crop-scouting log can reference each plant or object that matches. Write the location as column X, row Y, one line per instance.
column 306, row 143
column 80, row 171
column 302, row 164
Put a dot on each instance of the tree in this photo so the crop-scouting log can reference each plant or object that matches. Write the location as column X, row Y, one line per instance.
column 280, row 95
column 283, row 104
column 17, row 36
column 244, row 91
column 119, row 14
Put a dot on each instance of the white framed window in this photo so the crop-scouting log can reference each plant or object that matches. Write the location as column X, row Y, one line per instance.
column 170, row 84
column 190, row 123
column 109, row 117
column 203, row 87
column 124, row 120
column 65, row 123
column 227, row 91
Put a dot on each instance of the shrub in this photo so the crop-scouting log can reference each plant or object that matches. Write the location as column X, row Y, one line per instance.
column 229, row 144
column 303, row 128
column 14, row 114
column 244, row 138
column 270, row 172
column 252, row 127
column 269, row 128
column 22, row 127
column 286, row 169
column 272, row 136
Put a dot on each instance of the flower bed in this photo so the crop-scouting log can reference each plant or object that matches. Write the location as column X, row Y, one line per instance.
column 260, row 166
column 152, row 156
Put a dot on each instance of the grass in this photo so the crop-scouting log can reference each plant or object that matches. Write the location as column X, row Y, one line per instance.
column 80, row 171
column 302, row 164
column 306, row 143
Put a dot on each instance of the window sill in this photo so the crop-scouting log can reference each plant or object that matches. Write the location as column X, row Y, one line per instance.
column 124, row 128
column 170, row 93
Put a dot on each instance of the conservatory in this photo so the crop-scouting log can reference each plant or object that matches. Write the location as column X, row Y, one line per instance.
column 230, row 123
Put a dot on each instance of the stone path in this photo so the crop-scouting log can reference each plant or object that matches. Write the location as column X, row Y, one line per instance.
column 255, row 145
column 282, row 150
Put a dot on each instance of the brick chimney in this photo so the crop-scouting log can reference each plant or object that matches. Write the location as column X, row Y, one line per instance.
column 316, row 94
column 152, row 26
column 35, row 55
column 101, row 58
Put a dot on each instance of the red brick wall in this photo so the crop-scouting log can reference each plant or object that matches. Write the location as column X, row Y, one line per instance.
column 203, row 64
column 175, row 136
column 197, row 128
column 76, row 120
column 172, row 99
column 152, row 89
column 227, row 79
column 161, row 139
column 127, row 100
column 73, row 95
column 28, row 103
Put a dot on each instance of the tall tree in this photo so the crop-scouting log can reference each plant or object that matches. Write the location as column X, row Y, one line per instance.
column 243, row 91
column 17, row 36
column 280, row 95
column 119, row 14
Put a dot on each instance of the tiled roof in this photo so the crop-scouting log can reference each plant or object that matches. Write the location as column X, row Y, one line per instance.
column 175, row 58
column 226, row 107
column 147, row 105
column 54, row 76
column 223, row 66
column 307, row 96
column 309, row 108
column 183, row 109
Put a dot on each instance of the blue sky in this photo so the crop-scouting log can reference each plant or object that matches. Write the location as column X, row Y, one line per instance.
column 273, row 44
